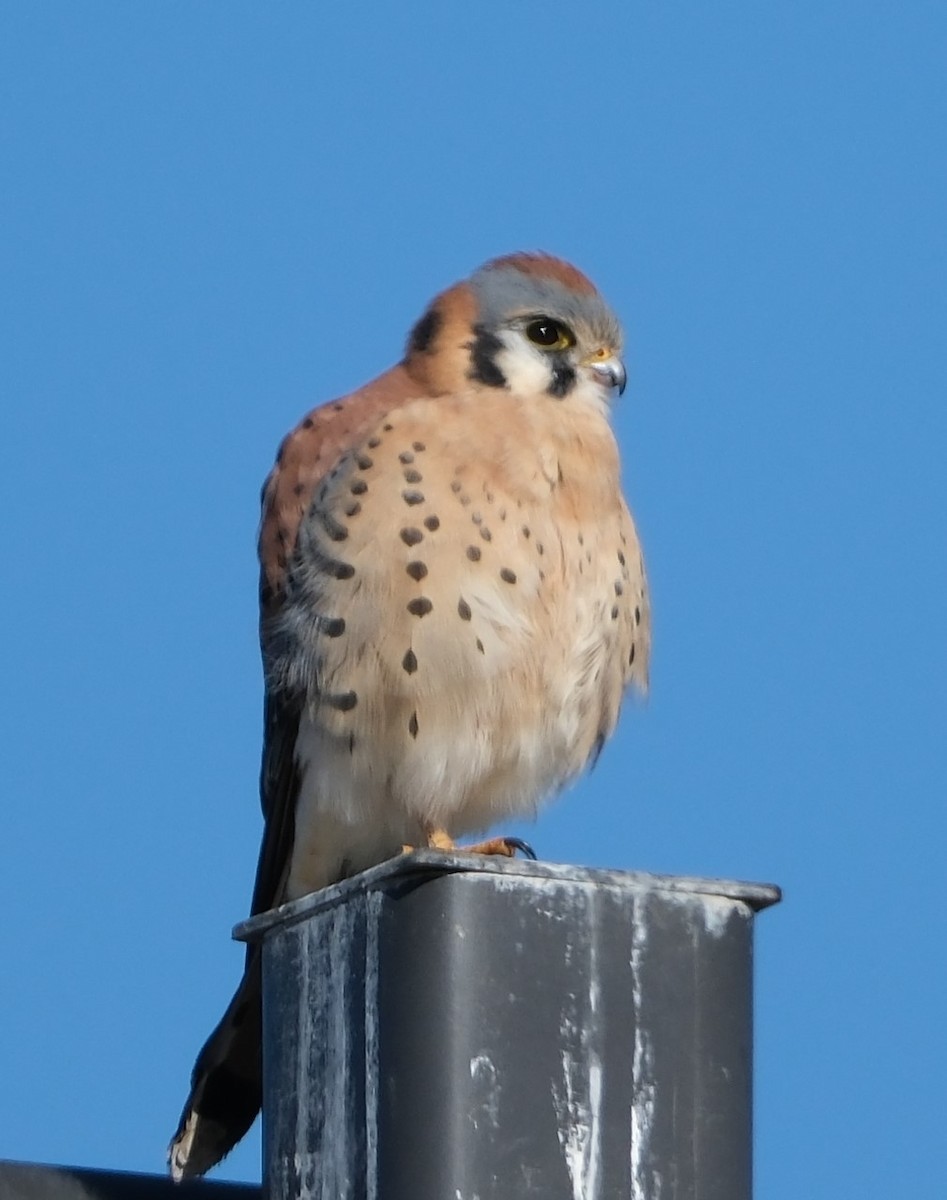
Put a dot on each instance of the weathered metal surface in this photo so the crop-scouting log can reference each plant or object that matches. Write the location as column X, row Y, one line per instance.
column 36, row 1181
column 451, row 1028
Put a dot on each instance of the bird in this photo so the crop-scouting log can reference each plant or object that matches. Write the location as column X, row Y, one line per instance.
column 453, row 603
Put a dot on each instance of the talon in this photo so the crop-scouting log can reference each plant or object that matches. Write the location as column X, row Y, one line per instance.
column 524, row 847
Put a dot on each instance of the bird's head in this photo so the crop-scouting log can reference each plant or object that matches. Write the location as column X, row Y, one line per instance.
column 529, row 323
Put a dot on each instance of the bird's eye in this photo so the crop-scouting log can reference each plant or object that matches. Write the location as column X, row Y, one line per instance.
column 550, row 334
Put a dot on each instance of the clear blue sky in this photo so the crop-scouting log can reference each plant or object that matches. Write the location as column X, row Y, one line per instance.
column 215, row 215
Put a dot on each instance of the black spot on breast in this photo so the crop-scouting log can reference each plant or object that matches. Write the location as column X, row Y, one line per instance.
column 432, row 523
column 353, row 509
column 637, row 615
column 342, row 701
column 420, row 606
column 419, row 446
column 473, row 553
column 359, row 487
column 631, row 656
column 298, row 489
column 411, row 536
column 614, row 612
column 563, row 380
column 486, row 534
column 406, row 457
column 619, row 590
column 364, row 462
column 410, row 662
column 455, row 486
column 483, row 351
column 480, row 646
column 621, row 558
column 412, row 475
column 342, row 570
column 417, row 570
column 413, row 725
column 387, row 428
column 463, row 609
column 333, row 626
column 412, row 497
column 507, row 575
column 424, row 334
column 351, row 743
column 335, row 529
column 374, row 442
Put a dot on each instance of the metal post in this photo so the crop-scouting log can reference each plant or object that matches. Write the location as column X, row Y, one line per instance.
column 456, row 1028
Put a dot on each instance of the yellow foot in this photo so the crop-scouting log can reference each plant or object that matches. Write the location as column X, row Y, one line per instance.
column 437, row 839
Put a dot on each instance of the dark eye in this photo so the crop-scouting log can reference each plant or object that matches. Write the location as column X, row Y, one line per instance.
column 550, row 334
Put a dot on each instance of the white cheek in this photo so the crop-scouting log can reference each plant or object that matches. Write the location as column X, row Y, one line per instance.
column 525, row 370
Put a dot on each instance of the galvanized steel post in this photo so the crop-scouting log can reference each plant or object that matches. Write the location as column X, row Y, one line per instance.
column 446, row 1027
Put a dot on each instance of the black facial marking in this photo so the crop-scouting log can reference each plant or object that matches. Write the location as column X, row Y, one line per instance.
column 563, row 380
column 411, row 536
column 410, row 662
column 483, row 351
column 424, row 334
column 417, row 570
column 420, row 606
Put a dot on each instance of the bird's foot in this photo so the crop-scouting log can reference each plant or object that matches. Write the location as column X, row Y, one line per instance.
column 505, row 847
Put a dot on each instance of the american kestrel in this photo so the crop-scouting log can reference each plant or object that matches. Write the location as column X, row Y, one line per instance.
column 452, row 603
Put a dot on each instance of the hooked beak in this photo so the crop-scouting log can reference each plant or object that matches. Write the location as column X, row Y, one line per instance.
column 611, row 371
